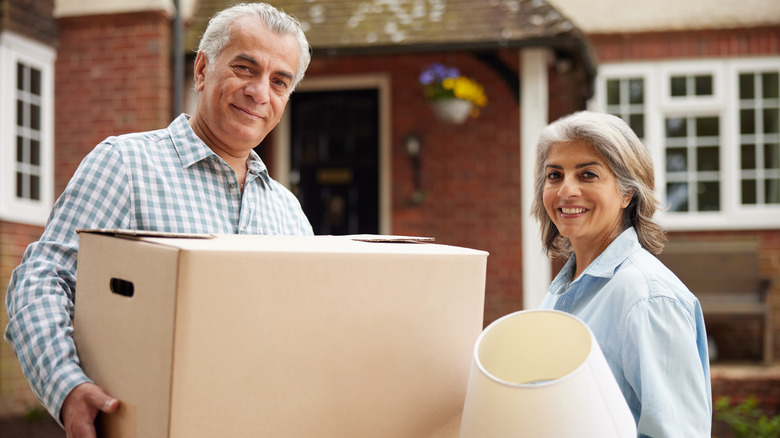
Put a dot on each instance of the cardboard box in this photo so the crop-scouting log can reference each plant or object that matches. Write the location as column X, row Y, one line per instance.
column 270, row 336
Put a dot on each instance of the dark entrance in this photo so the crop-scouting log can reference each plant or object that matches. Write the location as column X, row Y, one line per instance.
column 335, row 159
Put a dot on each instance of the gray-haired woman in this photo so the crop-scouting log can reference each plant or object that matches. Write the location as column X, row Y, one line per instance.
column 595, row 200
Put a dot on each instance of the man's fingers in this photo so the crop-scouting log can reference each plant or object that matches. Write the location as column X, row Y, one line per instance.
column 80, row 408
column 110, row 405
column 101, row 401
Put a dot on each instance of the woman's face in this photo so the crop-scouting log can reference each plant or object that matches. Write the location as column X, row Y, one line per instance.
column 581, row 195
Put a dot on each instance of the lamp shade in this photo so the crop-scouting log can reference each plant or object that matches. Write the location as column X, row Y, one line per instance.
column 541, row 373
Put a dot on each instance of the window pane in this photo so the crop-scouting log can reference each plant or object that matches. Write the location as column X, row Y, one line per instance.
column 677, row 196
column 772, row 191
column 636, row 90
column 35, row 152
column 676, row 160
column 35, row 117
column 678, row 85
column 35, row 188
column 772, row 156
column 703, row 85
column 706, row 126
column 35, row 82
column 747, row 121
column 19, row 149
column 676, row 127
column 637, row 123
column 771, row 121
column 709, row 196
column 707, row 158
column 770, row 84
column 19, row 113
column 19, row 185
column 746, row 86
column 20, row 76
column 748, row 156
column 613, row 92
column 749, row 195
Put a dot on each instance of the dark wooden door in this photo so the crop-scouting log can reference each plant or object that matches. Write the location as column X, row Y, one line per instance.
column 335, row 159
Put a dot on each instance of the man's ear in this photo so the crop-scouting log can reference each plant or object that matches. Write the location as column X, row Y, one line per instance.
column 200, row 67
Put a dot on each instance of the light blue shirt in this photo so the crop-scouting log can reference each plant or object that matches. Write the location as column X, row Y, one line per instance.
column 163, row 180
column 651, row 330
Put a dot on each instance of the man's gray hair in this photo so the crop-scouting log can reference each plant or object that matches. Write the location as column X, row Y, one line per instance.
column 217, row 34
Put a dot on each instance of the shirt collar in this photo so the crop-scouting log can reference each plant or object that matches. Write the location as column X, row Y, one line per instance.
column 605, row 264
column 192, row 149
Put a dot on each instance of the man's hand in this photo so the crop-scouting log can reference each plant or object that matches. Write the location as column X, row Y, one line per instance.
column 81, row 407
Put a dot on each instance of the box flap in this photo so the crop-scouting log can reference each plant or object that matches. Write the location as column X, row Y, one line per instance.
column 389, row 239
column 144, row 233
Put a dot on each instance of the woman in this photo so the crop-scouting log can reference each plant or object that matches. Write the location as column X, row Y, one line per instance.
column 594, row 199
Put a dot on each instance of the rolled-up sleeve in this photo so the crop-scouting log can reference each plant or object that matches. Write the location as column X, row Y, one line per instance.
column 41, row 291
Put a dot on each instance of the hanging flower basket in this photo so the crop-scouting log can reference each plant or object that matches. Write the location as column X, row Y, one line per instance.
column 452, row 96
column 454, row 111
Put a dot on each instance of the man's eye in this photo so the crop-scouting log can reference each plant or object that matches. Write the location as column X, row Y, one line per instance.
column 281, row 83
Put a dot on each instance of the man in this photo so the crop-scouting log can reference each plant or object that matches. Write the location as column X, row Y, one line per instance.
column 200, row 175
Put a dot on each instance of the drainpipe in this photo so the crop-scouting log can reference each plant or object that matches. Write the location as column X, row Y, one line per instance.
column 178, row 60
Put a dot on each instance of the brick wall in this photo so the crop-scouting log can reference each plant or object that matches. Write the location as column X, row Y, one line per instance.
column 112, row 77
column 15, row 394
column 31, row 18
column 470, row 172
column 696, row 44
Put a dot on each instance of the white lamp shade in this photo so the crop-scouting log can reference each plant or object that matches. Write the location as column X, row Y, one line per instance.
column 541, row 373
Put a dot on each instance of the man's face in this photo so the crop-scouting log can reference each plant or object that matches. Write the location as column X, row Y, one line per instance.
column 242, row 93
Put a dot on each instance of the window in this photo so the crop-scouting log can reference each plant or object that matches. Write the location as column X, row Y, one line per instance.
column 759, row 138
column 26, row 129
column 626, row 98
column 713, row 128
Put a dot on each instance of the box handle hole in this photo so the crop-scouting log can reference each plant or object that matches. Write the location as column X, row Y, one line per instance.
column 122, row 287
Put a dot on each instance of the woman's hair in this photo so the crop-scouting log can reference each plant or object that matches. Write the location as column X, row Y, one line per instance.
column 217, row 34
column 628, row 159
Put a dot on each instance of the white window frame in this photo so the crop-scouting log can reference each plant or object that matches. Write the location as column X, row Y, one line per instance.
column 15, row 48
column 724, row 103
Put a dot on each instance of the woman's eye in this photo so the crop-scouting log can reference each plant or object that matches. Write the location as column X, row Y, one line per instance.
column 589, row 175
column 553, row 175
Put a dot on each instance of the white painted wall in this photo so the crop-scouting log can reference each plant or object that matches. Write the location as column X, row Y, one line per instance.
column 537, row 270
column 612, row 16
column 70, row 8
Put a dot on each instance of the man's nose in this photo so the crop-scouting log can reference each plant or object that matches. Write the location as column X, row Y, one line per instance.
column 259, row 90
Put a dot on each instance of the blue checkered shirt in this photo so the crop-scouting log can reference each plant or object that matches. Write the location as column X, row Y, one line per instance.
column 165, row 180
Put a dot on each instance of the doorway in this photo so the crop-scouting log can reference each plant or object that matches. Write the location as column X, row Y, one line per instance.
column 334, row 159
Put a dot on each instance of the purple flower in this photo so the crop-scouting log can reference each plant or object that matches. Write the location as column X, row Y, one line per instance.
column 437, row 72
